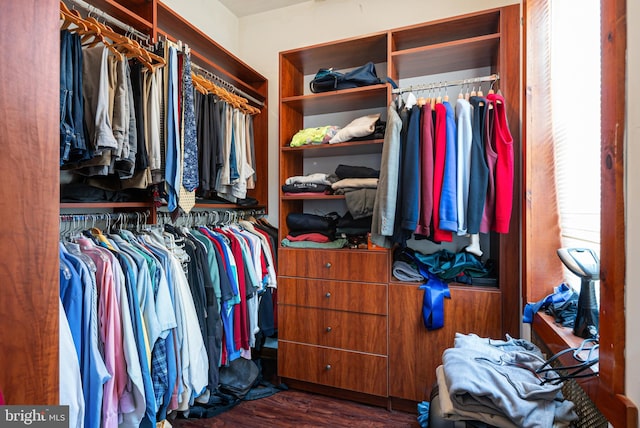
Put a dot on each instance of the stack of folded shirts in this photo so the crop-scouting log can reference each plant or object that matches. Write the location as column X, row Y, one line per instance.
column 312, row 231
column 311, row 184
column 359, row 185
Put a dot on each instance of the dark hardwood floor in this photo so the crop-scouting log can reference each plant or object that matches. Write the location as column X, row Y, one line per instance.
column 304, row 410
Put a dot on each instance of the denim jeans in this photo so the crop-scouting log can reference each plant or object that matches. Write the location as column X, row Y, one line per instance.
column 73, row 145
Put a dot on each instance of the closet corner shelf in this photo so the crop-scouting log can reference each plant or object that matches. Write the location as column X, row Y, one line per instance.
column 229, row 206
column 337, row 101
column 106, row 205
column 453, row 285
column 445, row 57
column 447, row 29
column 341, row 54
column 311, row 197
column 339, row 149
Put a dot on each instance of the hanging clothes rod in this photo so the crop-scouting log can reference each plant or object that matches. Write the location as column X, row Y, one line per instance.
column 202, row 217
column 79, row 222
column 436, row 85
column 225, row 84
column 110, row 19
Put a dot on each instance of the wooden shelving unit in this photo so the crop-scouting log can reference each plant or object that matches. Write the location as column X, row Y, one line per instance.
column 478, row 41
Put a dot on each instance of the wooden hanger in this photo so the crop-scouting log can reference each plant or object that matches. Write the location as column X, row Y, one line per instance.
column 69, row 18
column 95, row 32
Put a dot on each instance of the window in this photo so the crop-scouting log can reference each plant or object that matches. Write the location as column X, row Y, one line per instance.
column 542, row 234
column 575, row 72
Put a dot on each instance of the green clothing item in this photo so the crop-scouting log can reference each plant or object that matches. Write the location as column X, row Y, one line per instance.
column 338, row 243
column 319, row 135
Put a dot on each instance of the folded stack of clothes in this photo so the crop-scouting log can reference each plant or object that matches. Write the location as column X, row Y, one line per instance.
column 311, row 184
column 358, row 184
column 312, row 231
column 498, row 382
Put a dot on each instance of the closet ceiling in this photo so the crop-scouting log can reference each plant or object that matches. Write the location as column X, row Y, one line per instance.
column 250, row 7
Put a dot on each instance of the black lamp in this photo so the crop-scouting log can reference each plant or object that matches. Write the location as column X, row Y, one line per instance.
column 584, row 263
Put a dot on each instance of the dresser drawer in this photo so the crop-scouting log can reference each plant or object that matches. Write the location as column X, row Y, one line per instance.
column 336, row 329
column 354, row 371
column 350, row 265
column 345, row 296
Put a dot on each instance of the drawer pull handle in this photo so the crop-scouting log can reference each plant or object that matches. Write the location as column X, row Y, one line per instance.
column 327, row 367
column 328, row 329
column 327, row 265
column 327, row 295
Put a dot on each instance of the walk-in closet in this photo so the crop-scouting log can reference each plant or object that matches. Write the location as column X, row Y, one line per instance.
column 315, row 212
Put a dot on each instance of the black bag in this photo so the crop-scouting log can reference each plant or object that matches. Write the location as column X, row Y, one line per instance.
column 238, row 377
column 326, row 79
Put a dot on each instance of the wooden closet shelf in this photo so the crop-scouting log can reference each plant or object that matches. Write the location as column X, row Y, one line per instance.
column 446, row 30
column 337, row 101
column 457, row 55
column 106, row 205
column 342, row 54
column 452, row 285
column 311, row 197
column 339, row 149
column 137, row 14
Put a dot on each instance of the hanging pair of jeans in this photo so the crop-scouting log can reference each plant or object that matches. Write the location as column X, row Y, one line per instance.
column 72, row 139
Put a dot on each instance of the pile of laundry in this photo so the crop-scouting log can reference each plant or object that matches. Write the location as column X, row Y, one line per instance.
column 499, row 382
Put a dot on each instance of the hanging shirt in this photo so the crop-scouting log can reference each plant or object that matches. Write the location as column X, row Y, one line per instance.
column 93, row 369
column 440, row 146
column 384, row 206
column 69, row 371
column 426, row 171
column 479, row 172
column 504, row 167
column 448, row 197
column 110, row 329
column 463, row 171
column 411, row 175
column 492, row 159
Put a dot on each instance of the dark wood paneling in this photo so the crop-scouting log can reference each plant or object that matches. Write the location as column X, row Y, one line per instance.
column 368, row 298
column 415, row 352
column 29, row 150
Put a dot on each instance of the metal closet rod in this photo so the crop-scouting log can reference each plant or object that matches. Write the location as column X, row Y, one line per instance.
column 110, row 19
column 445, row 84
column 210, row 215
column 225, row 84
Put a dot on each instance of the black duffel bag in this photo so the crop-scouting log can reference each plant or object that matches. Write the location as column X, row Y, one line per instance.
column 326, row 79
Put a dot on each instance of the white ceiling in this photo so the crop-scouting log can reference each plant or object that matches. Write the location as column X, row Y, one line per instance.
column 242, row 8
